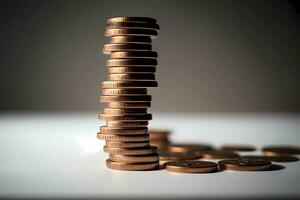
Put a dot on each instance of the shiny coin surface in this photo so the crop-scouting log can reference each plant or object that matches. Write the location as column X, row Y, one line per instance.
column 131, row 31
column 134, row 159
column 191, row 166
column 186, row 147
column 130, row 39
column 125, row 91
column 273, row 158
column 127, row 124
column 146, row 25
column 110, row 143
column 108, row 48
column 235, row 147
column 281, row 150
column 124, row 131
column 132, row 76
column 215, row 154
column 175, row 156
column 117, row 104
column 123, row 138
column 134, row 54
column 130, row 151
column 131, row 62
column 132, row 19
column 130, row 69
column 124, row 98
column 244, row 164
column 132, row 117
column 128, row 84
column 122, row 111
column 132, row 167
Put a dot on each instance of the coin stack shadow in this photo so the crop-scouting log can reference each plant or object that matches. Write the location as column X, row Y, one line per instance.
column 132, row 67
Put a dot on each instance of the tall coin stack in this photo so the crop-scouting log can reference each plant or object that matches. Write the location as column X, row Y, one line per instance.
column 131, row 71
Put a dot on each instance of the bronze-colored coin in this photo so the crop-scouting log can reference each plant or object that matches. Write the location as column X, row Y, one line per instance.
column 132, row 117
column 127, row 77
column 108, row 48
column 244, row 164
column 124, row 111
column 215, row 154
column 170, row 156
column 127, row 124
column 131, row 31
column 234, row 147
column 124, row 131
column 124, row 98
column 130, row 151
column 273, row 158
column 112, row 25
column 191, row 166
column 132, row 167
column 125, row 91
column 130, row 39
column 110, row 143
column 186, row 147
column 137, row 69
column 128, row 84
column 123, row 138
column 135, row 158
column 117, row 104
column 131, row 62
column 156, row 134
column 132, row 19
column 161, row 144
column 133, row 54
column 281, row 150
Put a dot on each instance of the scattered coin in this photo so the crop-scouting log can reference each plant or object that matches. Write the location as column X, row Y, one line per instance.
column 108, row 48
column 280, row 150
column 118, row 104
column 130, row 39
column 237, row 148
column 124, row 111
column 125, row 91
column 132, row 69
column 244, row 164
column 127, row 124
column 124, row 131
column 130, row 151
column 131, row 62
column 166, row 155
column 125, row 98
column 186, row 147
column 191, row 166
column 273, row 158
column 131, row 31
column 218, row 154
column 132, row 167
column 132, row 117
column 156, row 134
column 134, row 159
column 132, row 19
column 123, row 138
column 128, row 84
column 111, row 143
column 133, row 54
column 126, row 77
column 146, row 25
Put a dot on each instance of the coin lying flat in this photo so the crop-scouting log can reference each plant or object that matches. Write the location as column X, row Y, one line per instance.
column 127, row 77
column 130, row 39
column 111, row 143
column 281, row 150
column 132, row 117
column 123, row 138
column 191, row 166
column 127, row 124
column 131, row 31
column 124, row 111
column 135, row 158
column 125, row 91
column 176, row 156
column 273, row 158
column 118, row 104
column 130, row 151
column 124, row 98
column 238, row 148
column 186, row 147
column 215, row 154
column 132, row 19
column 146, row 25
column 156, row 134
column 124, row 131
column 108, row 48
column 132, row 167
column 130, row 69
column 128, row 84
column 134, row 54
column 131, row 62
column 244, row 164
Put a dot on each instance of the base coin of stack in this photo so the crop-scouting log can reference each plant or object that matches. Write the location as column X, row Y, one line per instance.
column 131, row 67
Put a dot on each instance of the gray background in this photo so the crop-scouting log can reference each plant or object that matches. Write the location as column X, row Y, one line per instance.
column 214, row 56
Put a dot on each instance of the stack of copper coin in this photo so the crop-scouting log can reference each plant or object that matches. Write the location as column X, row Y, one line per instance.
column 131, row 71
column 159, row 138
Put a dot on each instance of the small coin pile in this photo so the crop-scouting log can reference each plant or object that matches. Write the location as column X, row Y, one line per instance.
column 131, row 71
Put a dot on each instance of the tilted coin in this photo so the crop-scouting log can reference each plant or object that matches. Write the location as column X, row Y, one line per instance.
column 280, row 150
column 130, row 39
column 127, row 77
column 118, row 104
column 132, row 167
column 219, row 154
column 237, row 148
column 168, row 155
column 244, row 164
column 127, row 124
column 191, row 166
column 131, row 31
column 125, row 91
column 159, row 134
column 134, row 158
column 132, row 117
column 132, row 19
column 124, row 131
column 122, row 111
column 186, row 147
column 134, row 54
column 111, row 143
column 124, row 98
column 130, row 151
column 108, row 48
column 128, row 84
column 130, row 69
column 131, row 62
column 123, row 138
column 145, row 25
column 273, row 158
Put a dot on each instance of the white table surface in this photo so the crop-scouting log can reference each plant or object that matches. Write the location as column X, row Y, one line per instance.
column 53, row 155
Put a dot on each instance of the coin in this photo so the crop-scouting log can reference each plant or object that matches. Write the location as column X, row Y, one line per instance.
column 132, row 167
column 130, row 151
column 124, row 131
column 131, row 31
column 130, row 69
column 128, row 84
column 130, row 39
column 186, row 147
column 123, row 138
column 133, row 117
column 108, row 48
column 281, row 150
column 127, row 124
column 134, row 54
column 112, row 25
column 126, row 77
column 132, row 19
column 244, row 164
column 168, row 155
column 125, row 91
column 131, row 62
column 118, row 104
column 156, row 134
column 218, row 154
column 124, row 98
column 191, row 166
column 122, row 111
column 273, row 158
column 237, row 148
column 111, row 143
column 134, row 158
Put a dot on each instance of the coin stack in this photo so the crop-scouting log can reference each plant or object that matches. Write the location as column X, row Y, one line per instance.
column 131, row 71
column 159, row 138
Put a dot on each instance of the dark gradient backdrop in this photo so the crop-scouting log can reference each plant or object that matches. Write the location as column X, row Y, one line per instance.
column 214, row 55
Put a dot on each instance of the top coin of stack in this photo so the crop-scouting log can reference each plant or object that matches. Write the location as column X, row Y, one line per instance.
column 131, row 71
